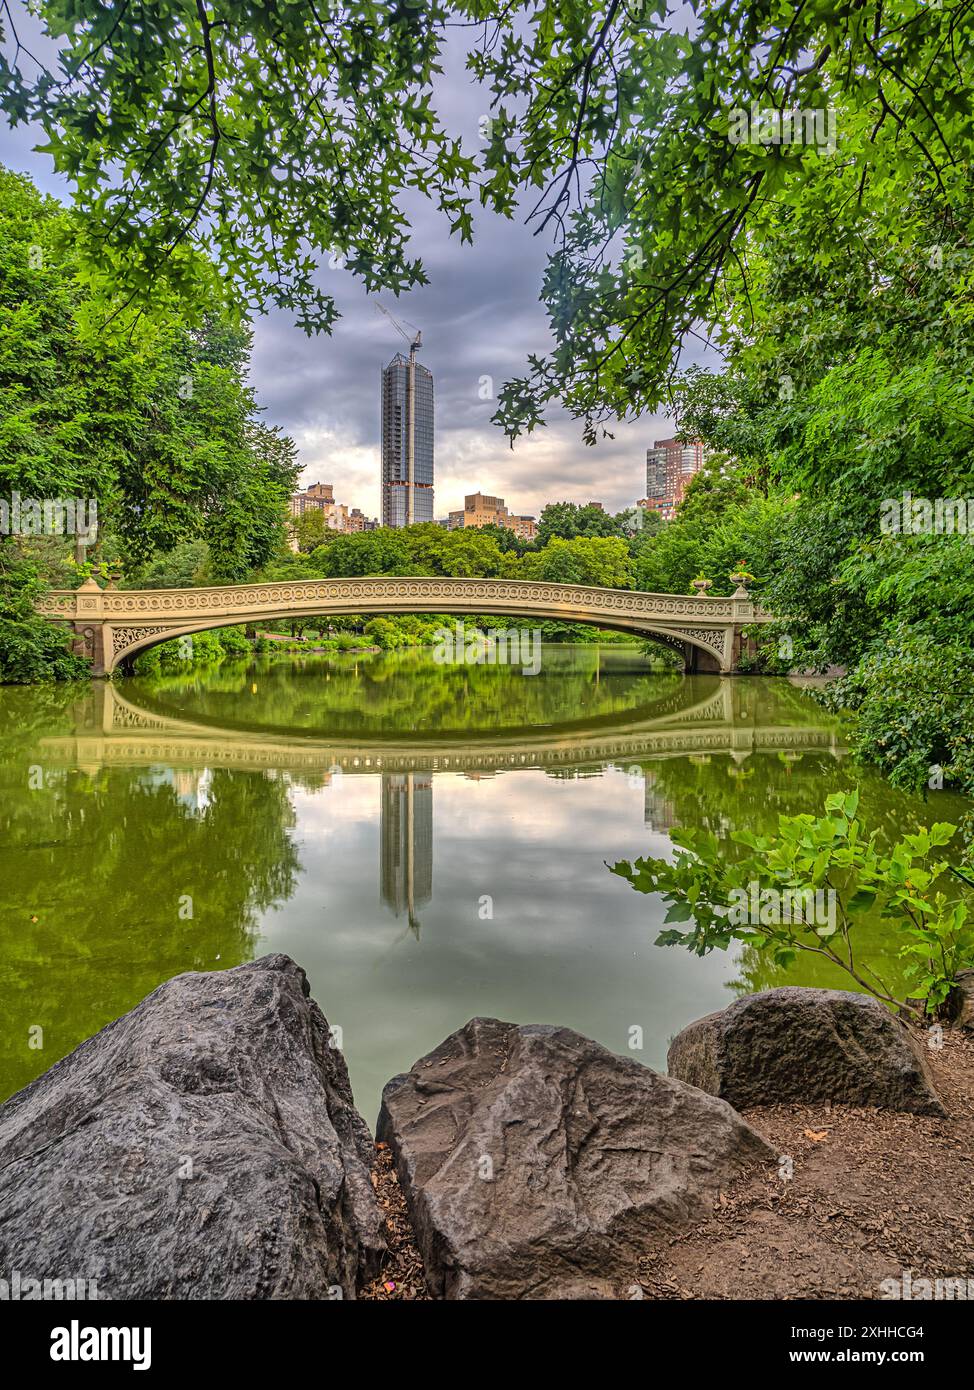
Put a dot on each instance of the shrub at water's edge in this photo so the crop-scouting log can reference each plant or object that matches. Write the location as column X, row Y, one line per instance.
column 809, row 888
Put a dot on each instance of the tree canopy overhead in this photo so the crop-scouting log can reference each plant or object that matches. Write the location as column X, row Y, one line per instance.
column 633, row 136
column 271, row 136
column 277, row 136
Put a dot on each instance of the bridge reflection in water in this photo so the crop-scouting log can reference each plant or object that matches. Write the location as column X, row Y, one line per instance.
column 113, row 730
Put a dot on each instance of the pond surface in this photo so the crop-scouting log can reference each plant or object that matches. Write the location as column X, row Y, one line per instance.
column 429, row 842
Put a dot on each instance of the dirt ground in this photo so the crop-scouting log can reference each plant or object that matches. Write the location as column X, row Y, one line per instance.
column 402, row 1277
column 871, row 1194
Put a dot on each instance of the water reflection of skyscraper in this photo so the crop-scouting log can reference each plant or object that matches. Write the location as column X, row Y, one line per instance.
column 406, row 843
column 659, row 810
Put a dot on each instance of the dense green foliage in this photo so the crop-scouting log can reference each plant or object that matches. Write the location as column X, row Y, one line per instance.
column 660, row 208
column 429, row 549
column 568, row 520
column 876, row 356
column 848, row 338
column 159, row 432
column 202, row 649
column 188, row 563
column 162, row 430
column 914, row 699
column 894, row 611
column 720, row 523
column 274, row 137
column 277, row 137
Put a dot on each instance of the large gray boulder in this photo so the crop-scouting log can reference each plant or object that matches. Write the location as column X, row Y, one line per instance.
column 805, row 1045
column 536, row 1164
column 203, row 1146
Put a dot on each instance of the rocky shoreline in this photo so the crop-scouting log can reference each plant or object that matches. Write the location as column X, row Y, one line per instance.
column 206, row 1146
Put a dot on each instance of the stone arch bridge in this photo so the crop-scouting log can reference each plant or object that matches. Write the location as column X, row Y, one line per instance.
column 112, row 626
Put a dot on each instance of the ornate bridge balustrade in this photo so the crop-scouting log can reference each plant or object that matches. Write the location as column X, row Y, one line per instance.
column 113, row 625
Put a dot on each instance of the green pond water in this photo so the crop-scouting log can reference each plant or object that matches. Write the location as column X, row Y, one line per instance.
column 428, row 841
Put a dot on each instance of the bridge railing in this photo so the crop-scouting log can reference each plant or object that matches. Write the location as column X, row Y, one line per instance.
column 94, row 604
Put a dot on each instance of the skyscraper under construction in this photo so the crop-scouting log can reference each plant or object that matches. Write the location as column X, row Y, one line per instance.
column 407, row 442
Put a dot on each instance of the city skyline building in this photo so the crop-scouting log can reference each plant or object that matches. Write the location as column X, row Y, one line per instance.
column 315, row 497
column 482, row 509
column 407, row 442
column 320, row 497
column 670, row 464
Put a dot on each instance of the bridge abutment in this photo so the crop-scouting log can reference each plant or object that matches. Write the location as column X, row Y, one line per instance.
column 698, row 662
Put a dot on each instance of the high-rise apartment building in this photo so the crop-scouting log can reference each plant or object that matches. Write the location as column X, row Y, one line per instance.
column 670, row 464
column 407, row 442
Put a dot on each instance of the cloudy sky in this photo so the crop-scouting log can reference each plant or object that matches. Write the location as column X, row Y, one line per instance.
column 480, row 316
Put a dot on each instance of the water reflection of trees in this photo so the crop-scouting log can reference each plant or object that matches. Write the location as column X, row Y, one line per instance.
column 724, row 794
column 132, row 877
column 368, row 696
column 27, row 712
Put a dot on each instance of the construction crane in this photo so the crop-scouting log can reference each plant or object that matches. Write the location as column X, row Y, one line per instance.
column 415, row 342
